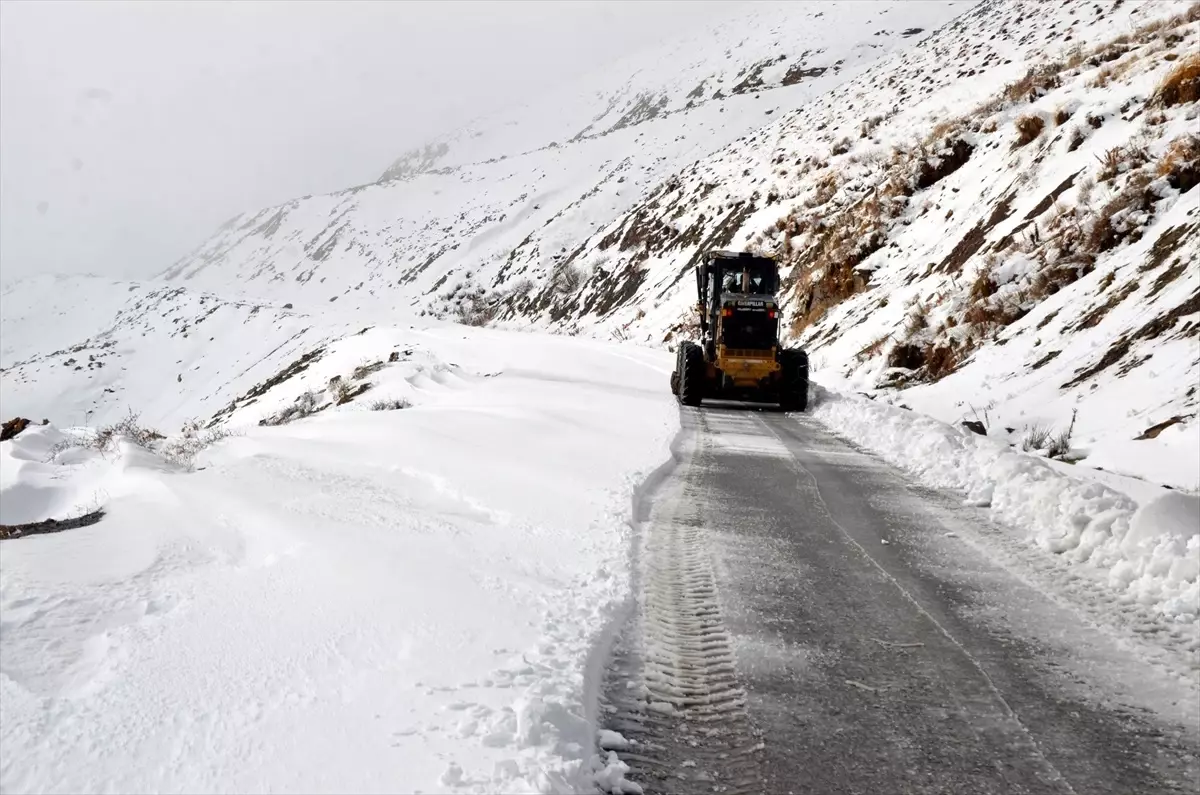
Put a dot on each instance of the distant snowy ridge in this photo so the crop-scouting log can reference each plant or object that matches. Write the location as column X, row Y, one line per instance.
column 448, row 219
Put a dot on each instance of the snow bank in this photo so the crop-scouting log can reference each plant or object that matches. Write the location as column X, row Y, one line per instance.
column 366, row 601
column 52, row 473
column 1150, row 553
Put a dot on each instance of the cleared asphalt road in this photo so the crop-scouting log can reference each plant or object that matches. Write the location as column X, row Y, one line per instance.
column 809, row 622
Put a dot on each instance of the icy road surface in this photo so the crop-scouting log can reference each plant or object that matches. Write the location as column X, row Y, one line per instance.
column 810, row 622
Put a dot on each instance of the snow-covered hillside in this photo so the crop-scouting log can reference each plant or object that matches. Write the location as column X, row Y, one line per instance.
column 443, row 221
column 88, row 349
column 1002, row 221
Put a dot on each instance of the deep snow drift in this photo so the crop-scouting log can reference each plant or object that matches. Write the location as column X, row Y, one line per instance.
column 368, row 601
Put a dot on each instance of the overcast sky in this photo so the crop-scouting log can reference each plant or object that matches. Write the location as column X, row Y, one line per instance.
column 129, row 131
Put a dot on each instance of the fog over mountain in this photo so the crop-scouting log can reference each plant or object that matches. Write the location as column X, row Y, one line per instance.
column 128, row 131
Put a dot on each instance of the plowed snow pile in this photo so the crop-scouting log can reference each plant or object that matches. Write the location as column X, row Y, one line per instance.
column 363, row 601
column 1148, row 551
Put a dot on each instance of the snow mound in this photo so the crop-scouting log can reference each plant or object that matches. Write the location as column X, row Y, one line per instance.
column 359, row 599
column 1148, row 553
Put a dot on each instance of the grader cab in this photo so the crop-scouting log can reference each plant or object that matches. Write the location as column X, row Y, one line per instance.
column 738, row 355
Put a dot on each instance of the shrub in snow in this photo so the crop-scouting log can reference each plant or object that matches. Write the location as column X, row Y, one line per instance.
column 1060, row 443
column 566, row 279
column 182, row 449
column 1180, row 163
column 1121, row 160
column 1181, row 85
column 105, row 438
column 478, row 310
column 304, row 406
column 1037, row 81
column 340, row 389
column 390, row 404
column 1036, row 438
column 368, row 368
column 130, row 429
column 1029, row 127
column 1123, row 216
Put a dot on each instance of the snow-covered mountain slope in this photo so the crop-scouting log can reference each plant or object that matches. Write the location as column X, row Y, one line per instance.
column 1040, row 278
column 1002, row 221
column 89, row 349
column 447, row 217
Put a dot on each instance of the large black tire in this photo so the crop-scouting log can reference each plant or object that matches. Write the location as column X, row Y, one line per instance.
column 793, row 387
column 691, row 374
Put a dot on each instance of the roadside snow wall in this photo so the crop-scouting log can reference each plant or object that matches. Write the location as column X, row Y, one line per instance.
column 1149, row 553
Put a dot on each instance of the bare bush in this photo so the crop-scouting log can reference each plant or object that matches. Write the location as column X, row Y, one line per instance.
column 367, row 368
column 340, row 389
column 304, row 406
column 131, row 429
column 868, row 126
column 1036, row 438
column 521, row 289
column 1180, row 164
column 825, row 188
column 1060, row 444
column 1037, row 81
column 1110, row 164
column 983, row 286
column 1117, row 220
column 1181, row 85
column 567, row 279
column 940, row 361
column 1121, row 159
column 1029, row 127
column 390, row 404
column 1101, row 79
column 477, row 310
column 180, row 450
column 871, row 350
column 105, row 438
column 193, row 439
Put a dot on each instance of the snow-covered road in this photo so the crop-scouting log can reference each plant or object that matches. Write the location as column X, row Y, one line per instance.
column 812, row 622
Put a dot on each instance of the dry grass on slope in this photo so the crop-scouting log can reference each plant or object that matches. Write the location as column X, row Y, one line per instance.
column 857, row 201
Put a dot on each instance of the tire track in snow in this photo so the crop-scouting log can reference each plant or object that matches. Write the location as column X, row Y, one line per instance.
column 672, row 691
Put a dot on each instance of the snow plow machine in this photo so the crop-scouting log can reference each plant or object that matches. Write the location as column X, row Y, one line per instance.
column 738, row 356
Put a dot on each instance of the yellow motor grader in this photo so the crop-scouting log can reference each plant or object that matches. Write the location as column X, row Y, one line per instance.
column 738, row 356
